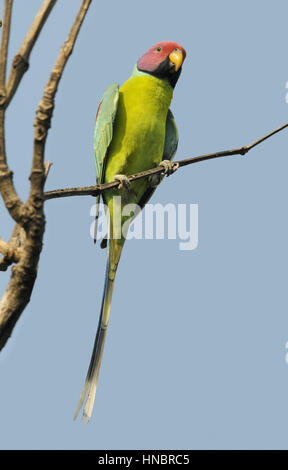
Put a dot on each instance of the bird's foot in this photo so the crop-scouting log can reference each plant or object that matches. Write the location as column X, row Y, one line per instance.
column 123, row 182
column 168, row 167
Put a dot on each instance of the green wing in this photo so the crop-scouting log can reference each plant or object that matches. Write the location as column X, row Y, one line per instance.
column 171, row 137
column 103, row 132
column 103, row 135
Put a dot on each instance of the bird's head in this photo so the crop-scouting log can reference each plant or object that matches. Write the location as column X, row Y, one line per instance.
column 163, row 60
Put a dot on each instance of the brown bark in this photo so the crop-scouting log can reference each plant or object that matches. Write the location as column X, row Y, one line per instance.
column 25, row 245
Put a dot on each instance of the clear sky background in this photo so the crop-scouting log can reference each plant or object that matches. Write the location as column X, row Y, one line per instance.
column 195, row 353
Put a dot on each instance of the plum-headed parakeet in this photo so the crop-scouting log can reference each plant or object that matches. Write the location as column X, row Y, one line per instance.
column 134, row 131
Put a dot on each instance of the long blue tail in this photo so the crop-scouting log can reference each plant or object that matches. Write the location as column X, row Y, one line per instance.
column 90, row 386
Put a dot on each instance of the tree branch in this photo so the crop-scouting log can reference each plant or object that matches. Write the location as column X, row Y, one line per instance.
column 24, row 273
column 10, row 254
column 99, row 188
column 17, row 240
column 18, row 236
column 4, row 46
column 46, row 105
column 18, row 211
column 21, row 61
column 7, row 190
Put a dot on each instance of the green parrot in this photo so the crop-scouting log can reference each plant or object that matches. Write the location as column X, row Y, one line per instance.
column 134, row 131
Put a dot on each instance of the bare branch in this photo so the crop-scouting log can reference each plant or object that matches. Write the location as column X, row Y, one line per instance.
column 4, row 264
column 24, row 273
column 4, row 247
column 7, row 190
column 10, row 253
column 17, row 240
column 99, row 188
column 10, row 197
column 21, row 60
column 18, row 237
column 46, row 105
column 4, row 47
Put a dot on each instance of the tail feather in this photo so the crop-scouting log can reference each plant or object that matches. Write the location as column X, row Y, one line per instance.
column 90, row 386
column 88, row 376
column 88, row 408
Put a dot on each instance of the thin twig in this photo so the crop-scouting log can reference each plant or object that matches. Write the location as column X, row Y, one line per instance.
column 46, row 105
column 99, row 188
column 21, row 61
column 4, row 46
column 7, row 189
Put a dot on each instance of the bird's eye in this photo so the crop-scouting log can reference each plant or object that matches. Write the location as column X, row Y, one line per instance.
column 159, row 49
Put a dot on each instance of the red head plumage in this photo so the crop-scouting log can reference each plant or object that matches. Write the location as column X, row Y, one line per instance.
column 157, row 54
column 163, row 60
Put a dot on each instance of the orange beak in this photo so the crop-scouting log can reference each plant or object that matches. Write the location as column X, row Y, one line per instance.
column 176, row 57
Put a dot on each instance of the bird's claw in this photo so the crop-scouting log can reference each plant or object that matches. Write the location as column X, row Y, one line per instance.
column 169, row 167
column 124, row 182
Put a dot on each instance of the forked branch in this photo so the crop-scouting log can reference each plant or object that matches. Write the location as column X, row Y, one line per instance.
column 25, row 244
column 21, row 60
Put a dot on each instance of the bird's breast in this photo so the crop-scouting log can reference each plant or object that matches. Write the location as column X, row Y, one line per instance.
column 139, row 127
